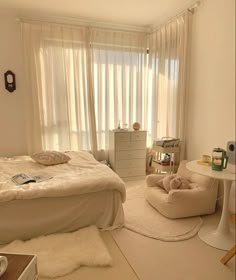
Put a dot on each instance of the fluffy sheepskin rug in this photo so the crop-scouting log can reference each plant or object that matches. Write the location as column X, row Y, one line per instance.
column 60, row 254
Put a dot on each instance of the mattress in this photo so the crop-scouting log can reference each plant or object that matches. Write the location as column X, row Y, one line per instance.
column 62, row 207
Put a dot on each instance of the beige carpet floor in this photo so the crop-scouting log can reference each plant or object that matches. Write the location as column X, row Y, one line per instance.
column 190, row 259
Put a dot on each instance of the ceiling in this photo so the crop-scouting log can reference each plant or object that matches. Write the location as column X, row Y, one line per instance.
column 133, row 12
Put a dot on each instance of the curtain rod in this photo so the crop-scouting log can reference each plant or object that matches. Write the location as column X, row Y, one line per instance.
column 189, row 9
column 80, row 22
column 83, row 23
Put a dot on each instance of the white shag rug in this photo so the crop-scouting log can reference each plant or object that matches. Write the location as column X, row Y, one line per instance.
column 60, row 254
column 142, row 218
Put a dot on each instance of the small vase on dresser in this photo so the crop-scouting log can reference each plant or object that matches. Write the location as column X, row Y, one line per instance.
column 127, row 153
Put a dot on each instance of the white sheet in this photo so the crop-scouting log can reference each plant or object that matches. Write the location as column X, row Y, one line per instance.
column 81, row 193
column 26, row 219
column 82, row 174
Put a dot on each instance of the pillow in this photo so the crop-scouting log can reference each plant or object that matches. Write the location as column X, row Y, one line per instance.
column 179, row 183
column 171, row 182
column 50, row 157
column 165, row 182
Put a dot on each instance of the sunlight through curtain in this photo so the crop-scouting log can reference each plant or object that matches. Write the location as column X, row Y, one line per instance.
column 58, row 55
column 168, row 51
column 83, row 81
column 119, row 61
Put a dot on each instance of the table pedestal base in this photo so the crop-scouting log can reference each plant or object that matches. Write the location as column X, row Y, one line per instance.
column 210, row 235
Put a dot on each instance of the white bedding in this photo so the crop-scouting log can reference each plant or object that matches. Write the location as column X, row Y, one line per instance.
column 82, row 174
column 26, row 219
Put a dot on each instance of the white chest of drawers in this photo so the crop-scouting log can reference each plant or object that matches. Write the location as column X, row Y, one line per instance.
column 127, row 153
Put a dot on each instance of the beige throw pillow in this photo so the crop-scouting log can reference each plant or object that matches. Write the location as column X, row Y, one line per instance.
column 50, row 157
column 173, row 181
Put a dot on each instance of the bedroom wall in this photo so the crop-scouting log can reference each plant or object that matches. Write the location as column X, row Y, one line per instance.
column 211, row 110
column 211, row 104
column 12, row 120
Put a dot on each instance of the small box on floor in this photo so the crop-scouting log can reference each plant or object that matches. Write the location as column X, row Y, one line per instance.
column 20, row 267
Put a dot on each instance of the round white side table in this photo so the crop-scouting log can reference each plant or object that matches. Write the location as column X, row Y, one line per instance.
column 219, row 237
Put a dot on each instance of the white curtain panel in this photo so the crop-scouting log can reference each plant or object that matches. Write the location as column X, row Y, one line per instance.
column 168, row 50
column 31, row 44
column 83, row 81
column 119, row 63
column 61, row 115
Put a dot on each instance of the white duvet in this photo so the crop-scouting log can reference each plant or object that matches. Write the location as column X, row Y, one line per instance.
column 82, row 174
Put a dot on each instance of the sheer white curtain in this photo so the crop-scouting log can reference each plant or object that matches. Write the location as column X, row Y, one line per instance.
column 60, row 97
column 168, row 50
column 84, row 81
column 119, row 63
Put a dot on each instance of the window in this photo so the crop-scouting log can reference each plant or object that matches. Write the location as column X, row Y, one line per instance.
column 85, row 81
column 118, row 90
column 119, row 95
column 64, row 101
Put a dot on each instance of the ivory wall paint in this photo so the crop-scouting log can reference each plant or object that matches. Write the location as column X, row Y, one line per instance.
column 12, row 109
column 211, row 104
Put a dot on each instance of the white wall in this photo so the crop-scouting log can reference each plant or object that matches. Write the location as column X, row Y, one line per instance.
column 211, row 111
column 12, row 111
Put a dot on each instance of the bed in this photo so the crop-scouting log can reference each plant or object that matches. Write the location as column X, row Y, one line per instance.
column 80, row 193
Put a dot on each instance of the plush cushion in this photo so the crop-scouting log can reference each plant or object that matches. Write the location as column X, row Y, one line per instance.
column 173, row 182
column 50, row 157
column 165, row 182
